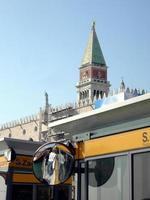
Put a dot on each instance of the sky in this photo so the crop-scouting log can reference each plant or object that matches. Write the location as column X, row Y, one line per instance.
column 42, row 44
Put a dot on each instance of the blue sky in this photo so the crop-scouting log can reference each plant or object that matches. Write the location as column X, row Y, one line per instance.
column 42, row 44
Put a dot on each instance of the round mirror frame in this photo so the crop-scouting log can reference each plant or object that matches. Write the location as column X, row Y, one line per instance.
column 50, row 148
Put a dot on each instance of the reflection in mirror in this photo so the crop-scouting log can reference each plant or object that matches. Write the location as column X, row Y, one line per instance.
column 53, row 163
column 100, row 170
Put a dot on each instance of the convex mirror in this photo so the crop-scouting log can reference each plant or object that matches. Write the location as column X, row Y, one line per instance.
column 53, row 163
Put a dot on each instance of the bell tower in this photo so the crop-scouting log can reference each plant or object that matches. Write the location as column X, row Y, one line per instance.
column 93, row 82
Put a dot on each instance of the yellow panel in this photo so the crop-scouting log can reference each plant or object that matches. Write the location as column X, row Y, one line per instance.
column 30, row 178
column 22, row 162
column 115, row 143
column 24, row 178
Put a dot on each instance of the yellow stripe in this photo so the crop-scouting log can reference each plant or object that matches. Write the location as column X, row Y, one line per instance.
column 30, row 178
column 24, row 178
column 116, row 143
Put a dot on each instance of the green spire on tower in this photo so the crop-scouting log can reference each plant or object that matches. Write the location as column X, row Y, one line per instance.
column 93, row 53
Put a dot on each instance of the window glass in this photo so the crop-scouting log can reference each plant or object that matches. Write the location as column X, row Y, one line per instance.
column 44, row 192
column 63, row 192
column 22, row 192
column 100, row 171
column 108, row 179
column 141, row 176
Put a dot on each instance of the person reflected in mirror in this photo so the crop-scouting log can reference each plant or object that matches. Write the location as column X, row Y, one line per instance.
column 47, row 166
column 50, row 167
column 62, row 169
column 55, row 167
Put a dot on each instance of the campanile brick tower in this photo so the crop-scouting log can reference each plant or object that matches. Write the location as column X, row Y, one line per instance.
column 93, row 82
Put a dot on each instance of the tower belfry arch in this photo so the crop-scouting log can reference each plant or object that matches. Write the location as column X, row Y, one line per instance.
column 93, row 83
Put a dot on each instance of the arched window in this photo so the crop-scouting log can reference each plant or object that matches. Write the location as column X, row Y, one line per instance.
column 35, row 128
column 97, row 94
column 24, row 131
